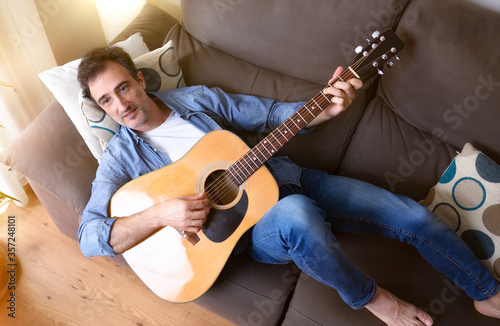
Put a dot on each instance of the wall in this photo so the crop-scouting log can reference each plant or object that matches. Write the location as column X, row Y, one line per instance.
column 173, row 7
column 73, row 27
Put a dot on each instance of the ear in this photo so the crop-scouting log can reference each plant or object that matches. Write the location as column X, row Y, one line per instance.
column 141, row 79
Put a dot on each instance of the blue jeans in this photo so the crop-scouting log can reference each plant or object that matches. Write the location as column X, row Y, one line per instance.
column 298, row 229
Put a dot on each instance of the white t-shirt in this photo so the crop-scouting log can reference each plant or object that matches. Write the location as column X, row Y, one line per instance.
column 175, row 137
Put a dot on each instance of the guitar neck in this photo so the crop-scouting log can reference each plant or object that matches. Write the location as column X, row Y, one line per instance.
column 263, row 151
column 374, row 56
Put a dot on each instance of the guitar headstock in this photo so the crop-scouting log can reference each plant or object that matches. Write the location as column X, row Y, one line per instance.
column 378, row 52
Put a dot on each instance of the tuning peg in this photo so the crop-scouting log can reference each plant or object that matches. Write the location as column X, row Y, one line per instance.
column 397, row 58
column 380, row 72
column 358, row 49
column 368, row 41
column 376, row 34
column 390, row 64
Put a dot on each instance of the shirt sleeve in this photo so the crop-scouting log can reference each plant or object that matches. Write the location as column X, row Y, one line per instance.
column 235, row 111
column 251, row 113
column 95, row 226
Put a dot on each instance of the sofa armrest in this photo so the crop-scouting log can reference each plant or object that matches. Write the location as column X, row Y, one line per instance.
column 52, row 155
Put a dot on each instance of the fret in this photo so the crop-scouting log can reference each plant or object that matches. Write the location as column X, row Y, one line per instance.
column 302, row 118
column 312, row 114
column 265, row 142
column 283, row 134
column 234, row 177
column 272, row 134
column 255, row 157
column 289, row 129
column 326, row 97
column 244, row 166
column 257, row 147
column 292, row 120
column 316, row 103
column 240, row 174
column 249, row 159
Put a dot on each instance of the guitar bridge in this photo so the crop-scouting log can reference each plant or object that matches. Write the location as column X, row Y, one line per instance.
column 193, row 238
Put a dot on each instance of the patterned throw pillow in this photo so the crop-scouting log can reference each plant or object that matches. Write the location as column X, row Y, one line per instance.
column 161, row 72
column 467, row 198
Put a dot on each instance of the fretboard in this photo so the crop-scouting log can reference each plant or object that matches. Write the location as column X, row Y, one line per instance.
column 242, row 169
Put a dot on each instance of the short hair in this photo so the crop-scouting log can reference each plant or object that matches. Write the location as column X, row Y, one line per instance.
column 95, row 61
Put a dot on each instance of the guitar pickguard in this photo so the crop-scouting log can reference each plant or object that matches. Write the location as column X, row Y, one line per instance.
column 221, row 223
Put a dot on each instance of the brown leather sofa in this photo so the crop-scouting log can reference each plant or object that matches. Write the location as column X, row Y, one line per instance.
column 401, row 133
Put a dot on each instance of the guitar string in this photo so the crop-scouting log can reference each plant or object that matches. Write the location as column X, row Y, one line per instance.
column 223, row 185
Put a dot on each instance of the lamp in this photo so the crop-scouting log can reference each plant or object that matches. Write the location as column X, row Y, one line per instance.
column 115, row 15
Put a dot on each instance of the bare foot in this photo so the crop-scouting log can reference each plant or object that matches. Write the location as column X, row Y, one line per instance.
column 490, row 307
column 396, row 312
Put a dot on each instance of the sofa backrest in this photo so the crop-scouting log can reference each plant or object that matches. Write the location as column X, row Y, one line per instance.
column 448, row 83
column 302, row 39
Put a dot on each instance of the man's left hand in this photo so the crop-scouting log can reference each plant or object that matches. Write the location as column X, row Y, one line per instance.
column 343, row 95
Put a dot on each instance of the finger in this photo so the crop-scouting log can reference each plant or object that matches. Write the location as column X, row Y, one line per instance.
column 346, row 88
column 337, row 72
column 356, row 83
column 193, row 197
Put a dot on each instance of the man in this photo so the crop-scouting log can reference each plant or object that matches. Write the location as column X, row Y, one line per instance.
column 158, row 129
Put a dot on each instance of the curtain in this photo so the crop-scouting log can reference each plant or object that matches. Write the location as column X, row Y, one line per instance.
column 24, row 52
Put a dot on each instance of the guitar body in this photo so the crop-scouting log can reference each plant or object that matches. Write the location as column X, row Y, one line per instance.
column 179, row 268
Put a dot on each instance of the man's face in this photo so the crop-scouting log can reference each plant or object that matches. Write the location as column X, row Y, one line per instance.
column 121, row 96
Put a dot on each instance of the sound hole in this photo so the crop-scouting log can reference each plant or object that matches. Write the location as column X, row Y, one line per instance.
column 229, row 206
column 220, row 189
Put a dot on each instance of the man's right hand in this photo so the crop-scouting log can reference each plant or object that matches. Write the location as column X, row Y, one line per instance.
column 185, row 213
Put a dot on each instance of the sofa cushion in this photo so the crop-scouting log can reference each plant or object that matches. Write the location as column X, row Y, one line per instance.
column 467, row 198
column 305, row 42
column 395, row 266
column 390, row 153
column 51, row 153
column 417, row 120
column 448, row 80
column 251, row 293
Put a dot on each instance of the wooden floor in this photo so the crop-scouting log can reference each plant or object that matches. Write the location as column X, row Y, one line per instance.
column 56, row 285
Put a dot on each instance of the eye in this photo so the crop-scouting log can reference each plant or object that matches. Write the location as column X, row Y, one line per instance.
column 123, row 88
column 105, row 101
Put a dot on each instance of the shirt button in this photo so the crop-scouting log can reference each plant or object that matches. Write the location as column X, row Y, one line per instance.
column 155, row 150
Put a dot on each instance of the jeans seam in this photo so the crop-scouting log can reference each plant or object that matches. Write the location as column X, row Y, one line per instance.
column 479, row 285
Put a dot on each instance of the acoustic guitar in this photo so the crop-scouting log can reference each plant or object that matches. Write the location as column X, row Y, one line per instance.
column 179, row 266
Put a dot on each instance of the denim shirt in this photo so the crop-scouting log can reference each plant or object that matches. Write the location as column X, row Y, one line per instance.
column 128, row 156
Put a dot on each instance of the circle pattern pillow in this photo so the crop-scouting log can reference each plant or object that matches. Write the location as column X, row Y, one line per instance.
column 467, row 198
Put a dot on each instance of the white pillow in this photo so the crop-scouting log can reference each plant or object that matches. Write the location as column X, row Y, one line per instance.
column 161, row 72
column 62, row 82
